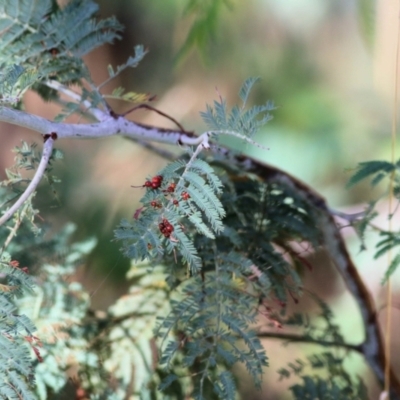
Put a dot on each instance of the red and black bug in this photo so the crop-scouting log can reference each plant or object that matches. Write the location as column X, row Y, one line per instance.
column 47, row 136
column 185, row 196
column 166, row 228
column 155, row 204
column 171, row 187
column 155, row 182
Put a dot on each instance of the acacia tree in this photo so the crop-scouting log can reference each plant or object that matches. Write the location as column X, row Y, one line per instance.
column 213, row 246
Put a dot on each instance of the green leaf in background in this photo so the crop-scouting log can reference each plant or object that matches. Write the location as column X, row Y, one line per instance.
column 206, row 16
column 366, row 17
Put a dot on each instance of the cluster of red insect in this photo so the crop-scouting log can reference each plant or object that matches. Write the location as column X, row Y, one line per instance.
column 166, row 228
column 171, row 187
column 155, row 182
column 185, row 196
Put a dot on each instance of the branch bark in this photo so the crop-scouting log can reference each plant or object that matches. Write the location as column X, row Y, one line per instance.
column 110, row 126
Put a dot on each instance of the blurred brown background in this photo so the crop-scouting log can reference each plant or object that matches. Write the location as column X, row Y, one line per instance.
column 328, row 65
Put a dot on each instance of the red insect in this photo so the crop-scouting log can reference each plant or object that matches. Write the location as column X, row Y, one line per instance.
column 155, row 182
column 171, row 187
column 166, row 228
column 52, row 135
column 185, row 196
column 155, row 204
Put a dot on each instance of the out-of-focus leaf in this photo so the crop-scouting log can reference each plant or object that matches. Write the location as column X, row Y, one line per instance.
column 366, row 17
column 204, row 28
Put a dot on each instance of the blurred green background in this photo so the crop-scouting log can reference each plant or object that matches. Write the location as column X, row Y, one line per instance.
column 327, row 64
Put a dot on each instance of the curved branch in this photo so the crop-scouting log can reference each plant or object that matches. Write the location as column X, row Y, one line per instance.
column 47, row 150
column 151, row 108
column 372, row 347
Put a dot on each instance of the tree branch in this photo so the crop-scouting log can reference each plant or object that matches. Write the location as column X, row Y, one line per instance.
column 372, row 347
column 47, row 150
column 109, row 127
column 100, row 115
column 292, row 337
column 151, row 108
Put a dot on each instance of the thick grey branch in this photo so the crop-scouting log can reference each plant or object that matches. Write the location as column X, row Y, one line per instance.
column 110, row 127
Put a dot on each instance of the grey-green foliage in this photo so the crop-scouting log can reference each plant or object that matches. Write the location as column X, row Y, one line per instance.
column 132, row 351
column 27, row 158
column 207, row 15
column 377, row 169
column 212, row 235
column 330, row 380
column 187, row 195
column 226, row 224
column 314, row 387
column 367, row 20
column 40, row 316
column 239, row 119
column 213, row 327
column 322, row 375
column 381, row 171
column 209, row 326
column 16, row 332
column 39, row 41
column 58, row 308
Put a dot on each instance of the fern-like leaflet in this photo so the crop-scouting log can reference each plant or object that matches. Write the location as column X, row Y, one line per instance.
column 39, row 41
column 239, row 121
column 16, row 331
column 186, row 197
column 212, row 314
column 389, row 240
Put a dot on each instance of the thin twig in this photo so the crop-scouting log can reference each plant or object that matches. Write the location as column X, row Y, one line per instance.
column 100, row 115
column 149, row 107
column 292, row 337
column 47, row 150
column 348, row 217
